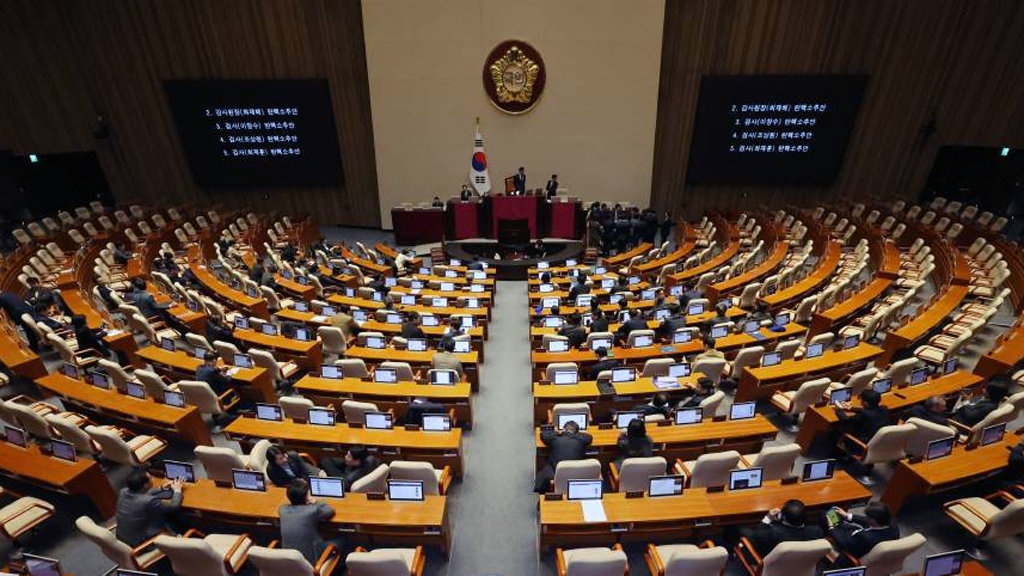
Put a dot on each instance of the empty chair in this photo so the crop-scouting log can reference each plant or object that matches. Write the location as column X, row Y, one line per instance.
column 709, row 469
column 355, row 412
column 750, row 356
column 22, row 515
column 139, row 558
column 295, row 407
column 353, row 368
column 226, row 350
column 402, row 369
column 279, row 371
column 787, row 559
column 591, row 561
column 776, row 462
column 376, row 481
column 434, row 481
column 639, row 334
column 900, row 371
column 984, row 519
column 711, row 367
column 198, row 341
column 71, row 432
column 202, row 396
column 133, row 452
column 748, row 297
column 153, row 383
column 887, row 557
column 333, row 340
column 710, row 404
column 795, row 402
column 213, row 555
column 924, row 432
column 118, row 376
column 219, row 462
column 635, row 473
column 385, row 562
column 887, row 445
column 277, row 562
column 685, row 560
column 657, row 367
column 589, row 469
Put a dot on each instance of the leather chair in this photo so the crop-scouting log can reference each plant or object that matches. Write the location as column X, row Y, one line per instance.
column 279, row 371
column 277, row 562
column 685, row 560
column 219, row 462
column 549, row 372
column 139, row 558
column 787, row 559
column 333, row 340
column 386, row 562
column 434, row 481
column 376, row 481
column 355, row 411
column 657, row 367
column 153, row 383
column 887, row 557
column 403, row 369
column 710, row 404
column 795, row 402
column 568, row 408
column 589, row 469
column 710, row 367
column 776, row 462
column 295, row 407
column 709, row 469
column 70, row 432
column 984, row 519
column 924, row 432
column 119, row 377
column 888, row 445
column 22, row 515
column 636, row 334
column 213, row 555
column 227, row 351
column 353, row 368
column 200, row 395
column 135, row 451
column 635, row 474
column 750, row 356
column 591, row 561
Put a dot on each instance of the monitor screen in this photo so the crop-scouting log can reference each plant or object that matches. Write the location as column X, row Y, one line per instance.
column 648, row 295
column 439, row 302
column 393, row 319
column 174, row 470
column 814, row 350
column 408, row 299
column 242, row 361
column 15, row 436
column 100, row 380
column 627, row 374
column 918, row 376
column 328, row 311
column 566, row 377
column 437, row 422
column 321, row 416
column 782, row 319
column 326, row 487
column 580, row 418
column 719, row 332
column 643, row 341
column 751, row 326
column 607, row 283
column 302, row 306
column 135, row 390
column 40, row 566
column 476, row 287
column 543, row 265
column 62, row 450
column 472, row 302
column 882, row 385
column 819, row 470
column 406, row 490
column 549, row 302
column 479, row 275
column 622, row 419
column 391, row 282
column 385, row 375
column 949, row 366
column 375, row 343
column 940, row 448
column 70, row 370
column 600, row 270
column 241, row 322
column 558, row 345
column 359, row 315
column 858, row 571
column 173, row 398
column 464, row 346
column 553, row 322
column 679, row 370
column 584, row 490
column 771, row 359
column 945, row 564
column 742, row 410
column 416, row 344
column 199, row 353
column 444, row 377
column 840, row 395
column 665, row 485
column 331, row 371
column 545, row 288
column 269, row 329
column 745, row 478
column 429, row 320
column 850, row 342
column 695, row 309
column 378, row 420
column 634, row 280
column 248, row 480
column 993, row 434
column 773, row 129
column 596, row 343
column 584, row 300
column 681, row 336
column 467, row 321
column 167, row 344
column 689, row 416
column 269, row 412
column 302, row 334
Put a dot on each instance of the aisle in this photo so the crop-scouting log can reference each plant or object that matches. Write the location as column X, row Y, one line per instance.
column 493, row 515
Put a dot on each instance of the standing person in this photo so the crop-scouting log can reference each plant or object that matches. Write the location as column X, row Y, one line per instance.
column 142, row 512
column 465, row 194
column 551, row 188
column 300, row 521
column 666, row 227
column 568, row 444
column 437, row 202
column 520, row 181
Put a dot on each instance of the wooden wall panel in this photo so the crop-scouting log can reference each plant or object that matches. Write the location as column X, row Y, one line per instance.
column 953, row 65
column 65, row 60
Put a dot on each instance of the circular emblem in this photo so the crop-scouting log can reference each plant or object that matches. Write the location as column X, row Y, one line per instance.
column 514, row 76
column 479, row 161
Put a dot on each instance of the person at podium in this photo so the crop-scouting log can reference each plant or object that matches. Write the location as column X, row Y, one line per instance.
column 551, row 188
column 520, row 182
column 465, row 194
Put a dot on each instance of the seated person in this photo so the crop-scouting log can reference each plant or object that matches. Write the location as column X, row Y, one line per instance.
column 453, row 329
column 215, row 376
column 357, row 463
column 37, row 296
column 863, row 422
column 568, row 444
column 574, row 331
column 669, row 325
column 89, row 338
column 788, row 524
column 657, row 405
column 411, row 327
column 933, row 410
column 216, row 330
column 598, row 320
column 857, row 534
column 420, row 406
column 636, row 322
column 284, row 467
column 705, row 388
column 300, row 521
column 974, row 411
column 634, row 442
column 445, row 359
column 142, row 511
column 709, row 350
column 579, row 287
column 603, row 363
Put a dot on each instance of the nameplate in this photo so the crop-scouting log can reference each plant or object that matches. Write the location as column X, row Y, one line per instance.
column 714, row 489
column 375, row 496
column 552, row 496
column 605, row 426
column 635, row 494
column 789, row 480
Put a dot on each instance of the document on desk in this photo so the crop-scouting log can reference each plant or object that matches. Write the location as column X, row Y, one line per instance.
column 593, row 511
column 319, row 319
column 234, row 370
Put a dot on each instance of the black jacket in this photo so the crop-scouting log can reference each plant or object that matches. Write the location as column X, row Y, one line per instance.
column 551, row 187
column 971, row 414
column 412, row 330
column 636, row 322
column 565, row 446
column 414, row 414
column 591, row 372
column 920, row 411
column 599, row 324
column 864, row 422
column 354, row 473
column 856, row 540
column 577, row 335
column 296, row 467
column 669, row 325
column 218, row 381
column 765, row 537
column 90, row 339
column 642, row 448
column 14, row 306
column 215, row 332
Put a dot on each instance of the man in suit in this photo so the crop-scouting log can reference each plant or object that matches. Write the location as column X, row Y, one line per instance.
column 598, row 321
column 420, row 406
column 213, row 375
column 15, row 308
column 603, row 363
column 788, row 524
column 445, row 359
column 40, row 298
column 857, row 534
column 520, row 181
column 216, row 331
column 465, row 194
column 142, row 511
column 357, row 463
column 864, row 422
column 89, row 338
column 568, row 444
column 411, row 327
column 578, row 288
column 636, row 322
column 669, row 325
column 551, row 188
column 145, row 302
column 454, row 329
column 933, row 410
column 975, row 411
column 658, row 405
column 574, row 331
column 300, row 521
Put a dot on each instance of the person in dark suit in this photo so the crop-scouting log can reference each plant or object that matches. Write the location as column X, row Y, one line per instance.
column 574, row 331
column 975, row 411
column 598, row 320
column 705, row 388
column 465, row 194
column 37, row 296
column 411, row 327
column 933, row 410
column 142, row 511
column 666, row 227
column 551, row 188
column 145, row 302
column 284, row 467
column 657, row 405
column 300, row 521
column 213, row 375
column 437, row 202
column 634, row 442
column 865, row 421
column 420, row 406
column 15, row 308
column 603, row 363
column 520, row 181
column 578, row 288
column 357, row 463
column 636, row 322
column 857, row 534
column 669, row 325
column 215, row 331
column 89, row 338
column 568, row 444
column 788, row 524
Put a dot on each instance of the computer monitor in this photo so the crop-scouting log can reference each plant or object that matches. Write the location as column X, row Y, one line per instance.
column 633, row 280
column 625, row 374
column 167, row 344
column 326, row 487
column 416, row 345
column 858, row 571
column 391, row 282
column 359, row 315
column 695, row 309
column 16, row 436
column 685, row 416
column 622, row 419
column 199, row 352
column 465, row 347
column 269, row 412
column 321, row 416
column 437, row 423
column 840, row 395
column 543, row 265
column 751, row 326
column 682, row 336
column 819, row 470
column 302, row 306
column 558, row 345
column 378, row 297
column 584, row 300
column 472, row 302
column 331, row 371
column 135, row 390
column 596, row 343
column 607, row 283
column 303, row 334
column 479, row 275
column 945, row 564
column 467, row 322
column 41, row 566
column 814, row 350
column 647, row 295
column 70, row 370
column 430, row 320
column 549, row 302
column 405, row 490
column 940, row 448
column 455, row 262
column 553, row 322
column 665, row 485
column 408, row 299
column 248, row 480
column 444, row 377
column 782, row 319
column 679, row 370
column 745, row 478
column 719, row 331
column 242, row 361
column 241, row 322
column 425, row 271
column 992, row 434
column 174, row 470
column 675, row 290
column 328, row 311
column 643, row 341
column 439, row 302
column 174, row 398
column 287, row 274
column 882, row 385
column 918, row 376
column 385, row 375
column 566, row 377
column 269, row 329
column 584, row 490
column 378, row 420
column 949, row 366
column 771, row 359
column 62, row 450
column 545, row 288
column 742, row 410
column 375, row 343
column 393, row 319
column 100, row 380
column 600, row 270
column 350, row 292
column 580, row 418
column 850, row 342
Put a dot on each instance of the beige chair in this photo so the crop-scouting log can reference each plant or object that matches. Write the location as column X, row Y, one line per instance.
column 888, row 445
column 33, row 423
column 71, row 432
column 549, row 372
column 858, row 381
column 153, row 383
column 227, row 351
column 599, row 336
column 589, row 469
column 710, row 404
column 748, row 297
column 591, row 561
column 213, row 555
column 788, row 349
column 385, row 562
column 924, row 432
column 257, row 457
column 434, row 481
column 709, row 469
column 635, row 473
column 295, row 407
column 787, row 559
column 776, row 462
column 636, row 334
column 279, row 371
column 984, row 519
column 139, row 558
column 355, row 411
column 200, row 395
column 750, row 356
column 1003, row 413
column 568, row 408
column 119, row 377
column 887, row 557
column 900, row 371
column 278, row 562
column 333, row 340
column 657, row 367
column 133, row 452
column 22, row 515
column 795, row 402
column 403, row 369
column 353, row 368
column 685, row 560
column 219, row 462
column 710, row 367
column 376, row 481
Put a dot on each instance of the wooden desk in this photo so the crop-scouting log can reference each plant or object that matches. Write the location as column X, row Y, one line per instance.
column 309, row 355
column 961, row 467
column 361, row 303
column 682, row 442
column 1008, row 352
column 486, row 298
column 727, row 254
column 480, row 314
column 123, row 341
column 625, row 257
column 469, row 360
column 16, row 355
column 758, row 383
column 771, row 262
column 372, row 267
column 83, row 478
column 343, row 279
column 693, row 516
column 439, row 448
column 462, row 280
column 822, row 272
column 395, row 397
column 236, row 299
column 654, row 266
column 733, row 342
column 627, row 395
column 373, row 522
column 820, row 419
column 845, row 310
column 969, row 568
column 540, row 358
column 253, row 383
column 300, row 291
column 123, row 410
column 390, row 253
column 927, row 319
column 477, row 333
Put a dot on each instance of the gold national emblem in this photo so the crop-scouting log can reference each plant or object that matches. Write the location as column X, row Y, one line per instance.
column 514, row 76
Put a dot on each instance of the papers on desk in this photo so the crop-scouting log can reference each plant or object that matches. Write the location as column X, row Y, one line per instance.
column 115, row 332
column 319, row 319
column 593, row 511
column 666, row 383
column 233, row 370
